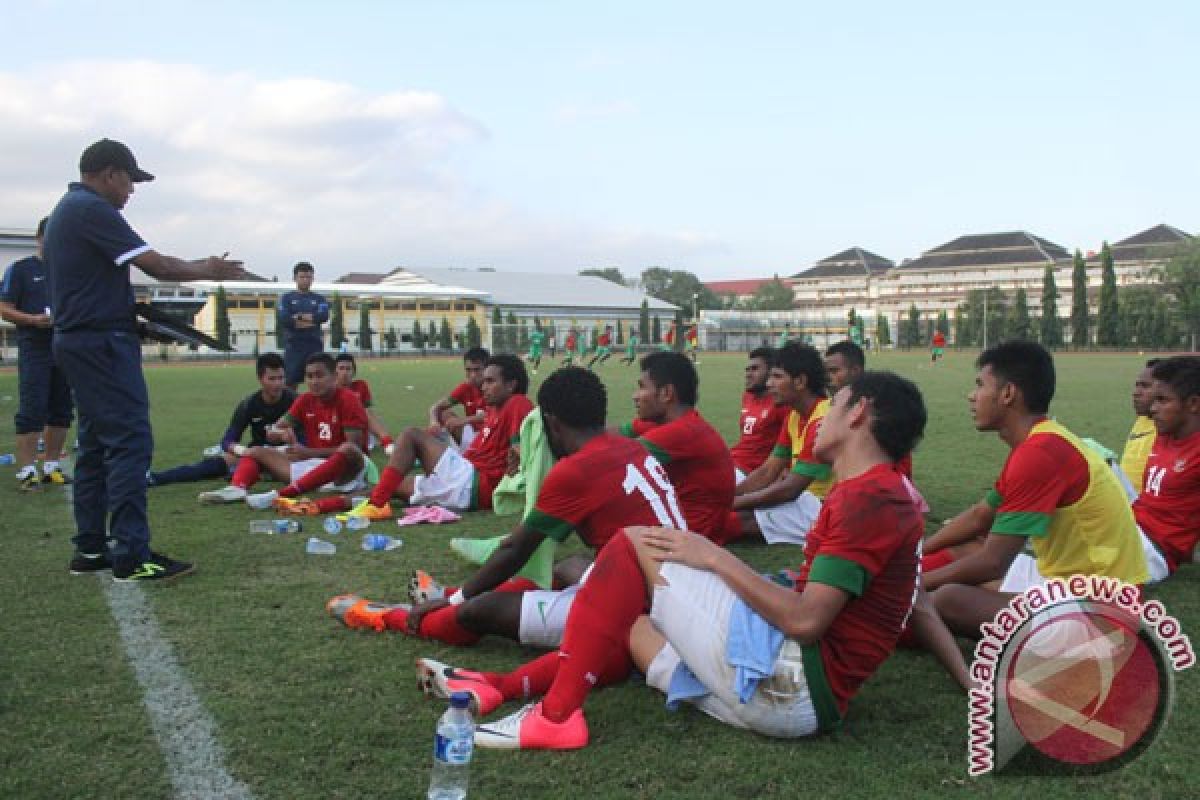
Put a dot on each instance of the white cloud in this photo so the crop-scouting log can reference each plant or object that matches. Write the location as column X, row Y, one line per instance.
column 590, row 112
column 279, row 170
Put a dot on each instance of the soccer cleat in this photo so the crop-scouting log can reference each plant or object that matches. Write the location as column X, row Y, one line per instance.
column 422, row 588
column 230, row 494
column 263, row 500
column 56, row 477
column 441, row 680
column 88, row 563
column 297, row 507
column 528, row 729
column 156, row 568
column 29, row 481
column 356, row 612
column 368, row 511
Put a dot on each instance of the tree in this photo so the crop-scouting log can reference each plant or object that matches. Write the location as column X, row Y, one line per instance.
column 1079, row 303
column 510, row 334
column 221, row 318
column 365, row 341
column 911, row 336
column 445, row 337
column 883, row 332
column 474, row 335
column 774, row 295
column 431, row 335
column 656, row 331
column 1108, row 323
column 997, row 317
column 962, row 333
column 418, row 336
column 943, row 322
column 391, row 339
column 337, row 327
column 1181, row 276
column 678, row 287
column 644, row 322
column 1019, row 325
column 607, row 273
column 523, row 344
column 620, row 332
column 1051, row 325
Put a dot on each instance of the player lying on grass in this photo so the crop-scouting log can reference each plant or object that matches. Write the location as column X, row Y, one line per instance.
column 333, row 422
column 460, row 481
column 760, row 418
column 686, row 610
column 347, row 368
column 600, row 483
column 462, row 429
column 258, row 412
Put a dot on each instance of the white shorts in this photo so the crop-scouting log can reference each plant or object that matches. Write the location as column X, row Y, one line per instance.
column 467, row 435
column 450, row 484
column 1156, row 565
column 692, row 612
column 302, row 468
column 738, row 476
column 1022, row 575
column 544, row 614
column 789, row 522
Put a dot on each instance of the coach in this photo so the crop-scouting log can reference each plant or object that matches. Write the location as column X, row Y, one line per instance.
column 89, row 247
column 301, row 313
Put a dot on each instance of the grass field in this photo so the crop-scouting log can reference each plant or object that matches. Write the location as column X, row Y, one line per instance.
column 307, row 709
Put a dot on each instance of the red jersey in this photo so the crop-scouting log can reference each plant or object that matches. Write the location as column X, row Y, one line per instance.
column 939, row 339
column 325, row 422
column 669, row 336
column 693, row 335
column 363, row 390
column 1168, row 509
column 489, row 449
column 604, row 340
column 468, row 395
column 698, row 464
column 760, row 422
column 611, row 482
column 864, row 542
column 570, row 344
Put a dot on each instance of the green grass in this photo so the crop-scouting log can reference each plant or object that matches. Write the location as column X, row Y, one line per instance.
column 306, row 709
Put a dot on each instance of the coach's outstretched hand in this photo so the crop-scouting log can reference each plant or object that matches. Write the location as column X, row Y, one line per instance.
column 222, row 268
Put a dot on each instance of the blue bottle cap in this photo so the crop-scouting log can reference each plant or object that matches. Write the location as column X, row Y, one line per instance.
column 460, row 700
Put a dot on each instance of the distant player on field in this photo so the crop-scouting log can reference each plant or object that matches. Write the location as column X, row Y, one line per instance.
column 537, row 338
column 937, row 349
column 668, row 340
column 461, row 430
column 631, row 347
column 347, row 369
column 569, row 345
column 1141, row 436
column 692, row 338
column 761, row 415
column 603, row 347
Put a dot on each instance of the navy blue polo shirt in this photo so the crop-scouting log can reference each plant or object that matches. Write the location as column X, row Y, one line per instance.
column 88, row 247
column 26, row 287
column 294, row 303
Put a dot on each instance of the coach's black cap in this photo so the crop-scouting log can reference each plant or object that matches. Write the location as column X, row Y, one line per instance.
column 110, row 153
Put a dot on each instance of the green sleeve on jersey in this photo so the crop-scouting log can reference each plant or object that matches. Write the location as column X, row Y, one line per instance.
column 288, row 418
column 782, row 451
column 656, row 451
column 840, row 573
column 627, row 430
column 993, row 498
column 818, row 472
column 550, row 527
column 1022, row 523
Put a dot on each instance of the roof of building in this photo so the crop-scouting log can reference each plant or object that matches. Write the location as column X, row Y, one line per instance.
column 530, row 288
column 988, row 250
column 362, row 277
column 738, row 287
column 1150, row 244
column 849, row 262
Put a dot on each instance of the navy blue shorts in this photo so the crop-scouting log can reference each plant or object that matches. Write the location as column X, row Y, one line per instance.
column 44, row 393
column 293, row 360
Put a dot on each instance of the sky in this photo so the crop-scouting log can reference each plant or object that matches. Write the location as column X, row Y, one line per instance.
column 731, row 140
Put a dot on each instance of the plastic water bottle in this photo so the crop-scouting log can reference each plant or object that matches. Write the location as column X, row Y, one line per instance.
column 8, row 458
column 215, row 450
column 380, row 541
column 276, row 526
column 320, row 547
column 358, row 523
column 332, row 526
column 452, row 748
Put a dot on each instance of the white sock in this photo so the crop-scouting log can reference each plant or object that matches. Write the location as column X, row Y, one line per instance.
column 49, row 466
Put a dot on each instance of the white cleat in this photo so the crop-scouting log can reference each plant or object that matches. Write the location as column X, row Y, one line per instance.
column 422, row 588
column 230, row 494
column 263, row 501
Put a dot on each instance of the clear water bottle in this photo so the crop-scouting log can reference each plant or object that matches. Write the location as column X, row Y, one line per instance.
column 320, row 547
column 380, row 541
column 8, row 458
column 358, row 523
column 276, row 526
column 332, row 526
column 452, row 748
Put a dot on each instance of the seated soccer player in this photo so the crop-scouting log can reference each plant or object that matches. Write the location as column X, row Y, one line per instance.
column 1054, row 494
column 257, row 412
column 600, row 483
column 761, row 416
column 781, row 499
column 347, row 368
column 688, row 611
column 462, row 430
column 334, row 426
column 1142, row 434
column 1168, row 508
column 845, row 361
column 459, row 481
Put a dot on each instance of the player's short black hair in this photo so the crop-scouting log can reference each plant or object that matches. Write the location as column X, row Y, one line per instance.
column 268, row 361
column 476, row 354
column 796, row 359
column 512, row 368
column 574, row 396
column 852, row 353
column 41, row 228
column 673, row 369
column 1028, row 366
column 322, row 358
column 898, row 413
column 302, row 266
column 1181, row 373
column 1153, row 362
column 767, row 354
column 346, row 357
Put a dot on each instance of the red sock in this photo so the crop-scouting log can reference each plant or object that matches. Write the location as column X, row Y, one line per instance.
column 396, row 620
column 442, row 625
column 337, row 502
column 246, row 473
column 936, row 560
column 389, row 480
column 596, row 642
column 531, row 679
column 328, row 471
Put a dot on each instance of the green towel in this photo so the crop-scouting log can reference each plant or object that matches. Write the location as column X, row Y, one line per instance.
column 517, row 494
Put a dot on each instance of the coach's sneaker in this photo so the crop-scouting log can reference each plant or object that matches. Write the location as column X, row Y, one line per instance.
column 230, row 494
column 441, row 680
column 297, row 507
column 28, row 480
column 528, row 729
column 368, row 511
column 157, row 567
column 88, row 563
column 52, row 473
column 422, row 588
column 357, row 612
column 263, row 500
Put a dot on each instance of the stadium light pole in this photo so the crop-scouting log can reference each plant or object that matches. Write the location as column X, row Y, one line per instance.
column 695, row 307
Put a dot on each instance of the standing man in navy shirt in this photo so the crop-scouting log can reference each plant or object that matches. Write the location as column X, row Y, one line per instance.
column 89, row 247
column 45, row 407
column 301, row 313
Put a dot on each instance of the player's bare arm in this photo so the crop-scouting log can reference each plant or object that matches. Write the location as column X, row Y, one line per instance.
column 988, row 563
column 967, row 526
column 763, row 476
column 9, row 313
column 170, row 268
column 784, row 490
